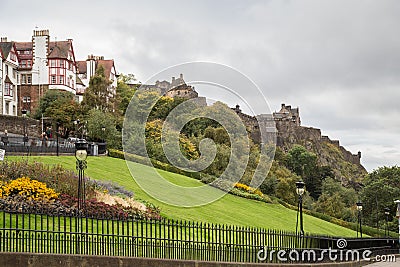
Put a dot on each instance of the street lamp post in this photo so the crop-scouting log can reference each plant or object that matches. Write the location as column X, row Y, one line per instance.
column 300, row 191
column 57, row 133
column 398, row 215
column 359, row 224
column 103, row 130
column 76, row 125
column 387, row 213
column 81, row 147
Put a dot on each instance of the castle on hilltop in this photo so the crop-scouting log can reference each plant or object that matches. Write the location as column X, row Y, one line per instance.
column 176, row 88
column 289, row 131
column 283, row 126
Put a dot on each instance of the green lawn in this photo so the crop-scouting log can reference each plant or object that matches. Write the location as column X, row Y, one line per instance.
column 231, row 210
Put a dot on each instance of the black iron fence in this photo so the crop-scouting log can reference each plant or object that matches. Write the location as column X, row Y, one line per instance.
column 14, row 145
column 168, row 239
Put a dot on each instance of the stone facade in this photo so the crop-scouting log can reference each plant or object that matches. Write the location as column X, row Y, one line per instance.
column 176, row 88
column 251, row 124
column 287, row 114
column 15, row 125
column 183, row 91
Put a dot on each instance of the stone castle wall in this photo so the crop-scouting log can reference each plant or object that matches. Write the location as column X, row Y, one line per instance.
column 348, row 156
column 15, row 125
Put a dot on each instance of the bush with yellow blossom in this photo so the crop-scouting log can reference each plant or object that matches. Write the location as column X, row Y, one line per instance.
column 27, row 188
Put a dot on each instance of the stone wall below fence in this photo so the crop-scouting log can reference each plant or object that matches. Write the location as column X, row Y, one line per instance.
column 15, row 125
column 9, row 259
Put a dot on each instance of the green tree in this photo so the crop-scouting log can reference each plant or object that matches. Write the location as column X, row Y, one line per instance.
column 154, row 145
column 304, row 163
column 49, row 98
column 97, row 95
column 124, row 92
column 163, row 107
column 96, row 120
column 337, row 200
column 61, row 108
column 382, row 188
column 301, row 161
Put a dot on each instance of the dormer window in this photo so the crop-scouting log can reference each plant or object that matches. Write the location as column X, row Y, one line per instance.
column 13, row 56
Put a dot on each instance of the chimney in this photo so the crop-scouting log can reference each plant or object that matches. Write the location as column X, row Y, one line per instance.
column 173, row 79
column 90, row 66
column 40, row 33
column 181, row 76
column 3, row 39
column 69, row 40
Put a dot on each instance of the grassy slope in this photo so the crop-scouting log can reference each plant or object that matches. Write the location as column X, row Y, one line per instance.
column 231, row 210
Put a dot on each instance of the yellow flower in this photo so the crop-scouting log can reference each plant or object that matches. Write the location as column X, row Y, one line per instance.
column 31, row 189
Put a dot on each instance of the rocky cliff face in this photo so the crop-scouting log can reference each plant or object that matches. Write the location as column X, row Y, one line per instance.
column 345, row 165
column 289, row 132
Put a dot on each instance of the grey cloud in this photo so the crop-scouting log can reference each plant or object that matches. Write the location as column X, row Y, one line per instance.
column 337, row 60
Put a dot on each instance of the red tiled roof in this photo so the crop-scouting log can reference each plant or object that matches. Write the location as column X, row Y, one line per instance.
column 81, row 67
column 24, row 45
column 59, row 49
column 108, row 65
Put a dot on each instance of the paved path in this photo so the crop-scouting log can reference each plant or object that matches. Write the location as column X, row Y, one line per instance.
column 385, row 264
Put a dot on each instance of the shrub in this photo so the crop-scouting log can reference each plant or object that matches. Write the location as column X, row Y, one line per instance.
column 56, row 177
column 27, row 188
column 101, row 210
column 249, row 189
column 111, row 188
column 66, row 205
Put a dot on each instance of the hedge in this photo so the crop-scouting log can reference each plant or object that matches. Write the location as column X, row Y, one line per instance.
column 154, row 163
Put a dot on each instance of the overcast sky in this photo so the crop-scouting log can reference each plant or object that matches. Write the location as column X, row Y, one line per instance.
column 338, row 61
